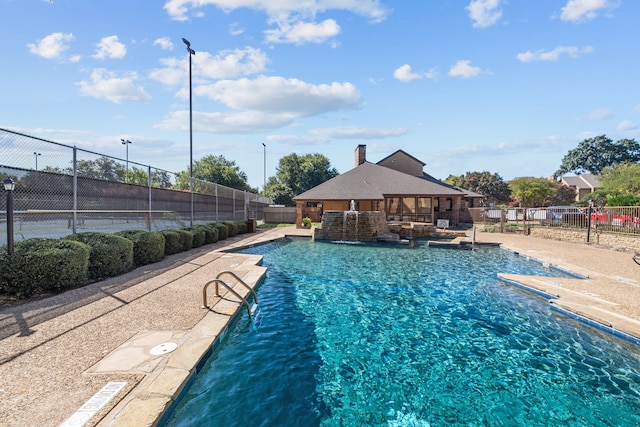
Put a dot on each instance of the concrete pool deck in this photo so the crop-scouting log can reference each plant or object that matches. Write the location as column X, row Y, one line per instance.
column 58, row 353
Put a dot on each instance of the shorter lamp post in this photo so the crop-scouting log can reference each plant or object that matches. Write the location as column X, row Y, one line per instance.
column 126, row 144
column 9, row 186
column 35, row 153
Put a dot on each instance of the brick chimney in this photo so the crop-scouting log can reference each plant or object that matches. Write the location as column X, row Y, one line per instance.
column 361, row 154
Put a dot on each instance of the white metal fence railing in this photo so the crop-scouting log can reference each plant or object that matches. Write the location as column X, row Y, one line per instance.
column 62, row 189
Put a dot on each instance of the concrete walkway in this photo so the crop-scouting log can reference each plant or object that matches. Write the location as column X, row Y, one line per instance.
column 118, row 352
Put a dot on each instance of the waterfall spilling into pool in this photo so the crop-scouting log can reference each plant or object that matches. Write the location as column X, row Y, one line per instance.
column 352, row 226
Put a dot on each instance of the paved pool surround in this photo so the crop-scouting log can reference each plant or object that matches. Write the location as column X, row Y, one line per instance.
column 58, row 353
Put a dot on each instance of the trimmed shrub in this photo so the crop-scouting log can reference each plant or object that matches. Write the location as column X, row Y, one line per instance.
column 110, row 256
column 210, row 233
column 171, row 242
column 242, row 227
column 198, row 236
column 233, row 228
column 148, row 246
column 214, row 230
column 186, row 240
column 223, row 231
column 40, row 265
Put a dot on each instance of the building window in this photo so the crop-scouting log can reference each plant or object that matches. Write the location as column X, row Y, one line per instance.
column 449, row 206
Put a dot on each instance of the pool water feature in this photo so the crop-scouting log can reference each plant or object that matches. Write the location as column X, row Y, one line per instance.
column 371, row 336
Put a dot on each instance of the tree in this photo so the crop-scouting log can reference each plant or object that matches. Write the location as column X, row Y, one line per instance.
column 563, row 196
column 592, row 155
column 489, row 185
column 101, row 168
column 530, row 192
column 621, row 178
column 137, row 176
column 215, row 169
column 297, row 174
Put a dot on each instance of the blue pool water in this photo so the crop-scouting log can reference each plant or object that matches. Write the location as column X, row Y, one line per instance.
column 372, row 336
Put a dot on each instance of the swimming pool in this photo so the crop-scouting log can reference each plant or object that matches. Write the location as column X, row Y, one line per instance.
column 371, row 336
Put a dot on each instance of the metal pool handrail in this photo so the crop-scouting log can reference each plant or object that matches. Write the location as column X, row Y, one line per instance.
column 219, row 281
column 235, row 276
column 229, row 288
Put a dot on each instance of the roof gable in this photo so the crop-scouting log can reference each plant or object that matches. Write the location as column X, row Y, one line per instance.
column 401, row 153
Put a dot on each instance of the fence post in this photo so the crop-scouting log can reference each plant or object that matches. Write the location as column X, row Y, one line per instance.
column 589, row 220
column 75, row 190
column 149, row 185
column 217, row 201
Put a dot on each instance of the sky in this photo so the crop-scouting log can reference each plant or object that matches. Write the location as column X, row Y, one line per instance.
column 507, row 87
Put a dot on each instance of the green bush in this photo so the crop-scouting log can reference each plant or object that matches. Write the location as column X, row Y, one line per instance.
column 242, row 227
column 233, row 228
column 210, row 233
column 110, row 256
column 148, row 246
column 171, row 242
column 40, row 265
column 214, row 230
column 223, row 231
column 199, row 236
column 186, row 240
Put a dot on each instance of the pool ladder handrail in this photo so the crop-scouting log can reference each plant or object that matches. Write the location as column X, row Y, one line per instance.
column 219, row 281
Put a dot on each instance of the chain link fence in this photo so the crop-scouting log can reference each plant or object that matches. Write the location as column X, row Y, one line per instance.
column 60, row 189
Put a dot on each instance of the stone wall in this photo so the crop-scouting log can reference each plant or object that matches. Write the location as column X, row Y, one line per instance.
column 352, row 225
column 619, row 242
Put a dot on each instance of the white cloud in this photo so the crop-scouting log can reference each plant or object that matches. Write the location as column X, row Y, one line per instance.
column 235, row 29
column 107, row 85
column 463, row 68
column 303, row 32
column 226, row 64
column 164, row 43
column 372, row 9
column 585, row 10
column 553, row 55
column 484, row 13
column 355, row 132
column 110, row 47
column 280, row 95
column 51, row 46
column 404, row 74
column 228, row 123
column 264, row 103
column 626, row 125
column 599, row 114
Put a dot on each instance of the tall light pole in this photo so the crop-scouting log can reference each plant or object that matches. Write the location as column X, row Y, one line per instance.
column 264, row 149
column 9, row 186
column 35, row 153
column 126, row 144
column 191, row 52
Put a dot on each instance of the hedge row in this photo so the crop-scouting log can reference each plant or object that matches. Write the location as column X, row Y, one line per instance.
column 45, row 265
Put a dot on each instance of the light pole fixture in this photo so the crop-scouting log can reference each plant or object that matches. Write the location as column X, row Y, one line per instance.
column 126, row 143
column 264, row 149
column 35, row 153
column 191, row 52
column 9, row 186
